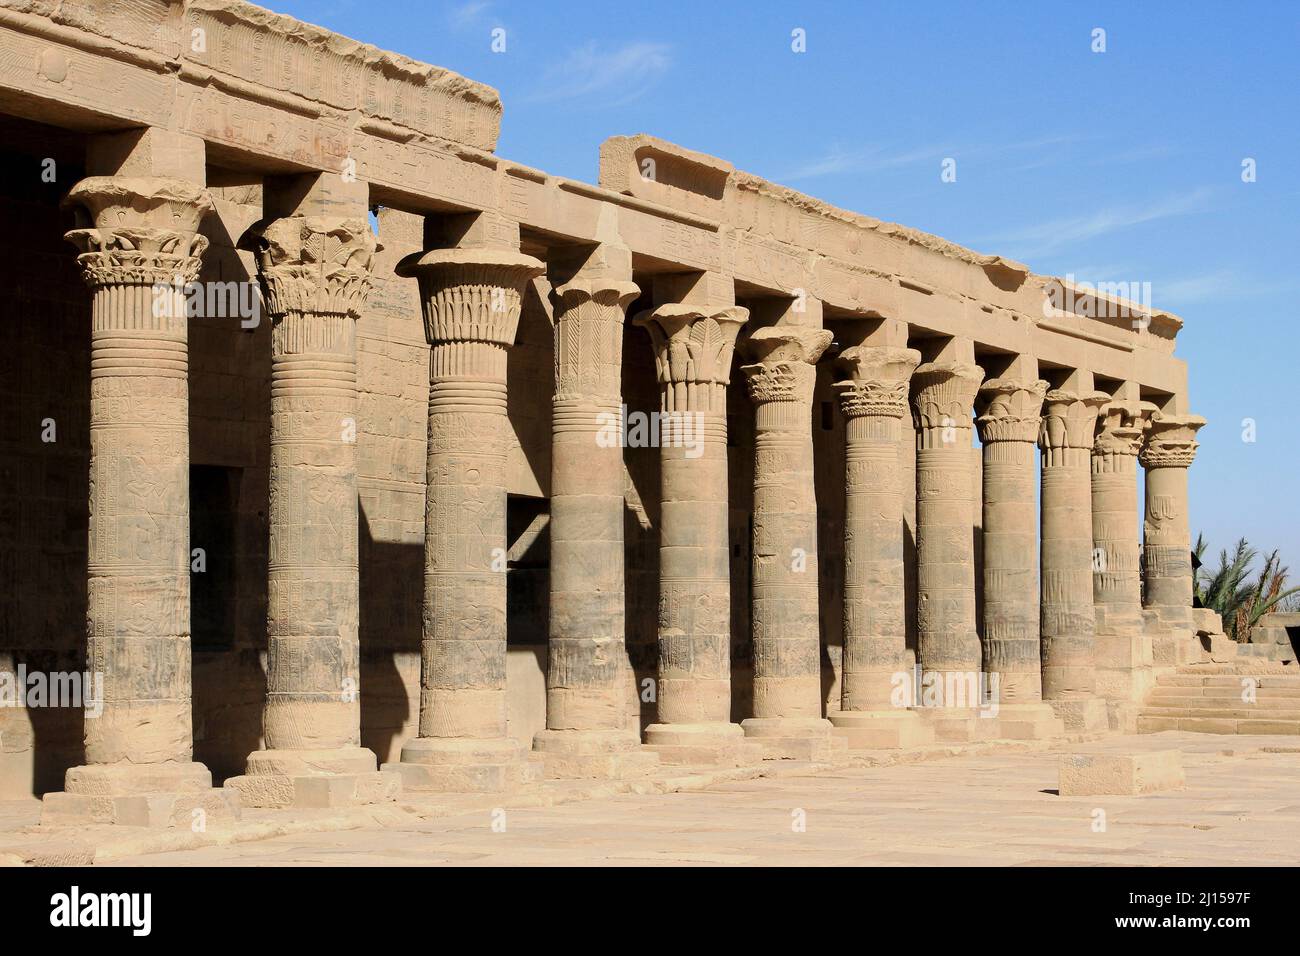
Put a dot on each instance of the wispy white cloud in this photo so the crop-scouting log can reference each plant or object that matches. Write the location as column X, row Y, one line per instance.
column 464, row 15
column 1042, row 238
column 618, row 74
column 838, row 160
column 1220, row 284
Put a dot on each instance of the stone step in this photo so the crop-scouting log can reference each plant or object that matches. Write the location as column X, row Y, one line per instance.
column 1228, row 701
column 1226, row 692
column 1149, row 724
column 1243, row 712
column 1227, row 680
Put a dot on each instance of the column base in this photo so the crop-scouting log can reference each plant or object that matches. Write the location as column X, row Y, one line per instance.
column 159, row 796
column 1082, row 716
column 466, row 765
column 959, row 725
column 314, row 779
column 1029, row 721
column 593, row 754
column 795, row 738
column 715, row 744
column 881, row 729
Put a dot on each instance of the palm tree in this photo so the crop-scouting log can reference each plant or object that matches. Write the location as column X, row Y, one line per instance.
column 1230, row 591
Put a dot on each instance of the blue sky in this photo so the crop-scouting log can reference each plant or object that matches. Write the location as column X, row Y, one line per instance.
column 1119, row 165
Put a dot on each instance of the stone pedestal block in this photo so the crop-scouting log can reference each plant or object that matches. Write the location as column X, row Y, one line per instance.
column 882, row 730
column 1087, row 775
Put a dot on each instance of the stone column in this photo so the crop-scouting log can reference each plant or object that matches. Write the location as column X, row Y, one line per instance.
column 587, row 732
column 471, row 299
column 877, row 670
column 315, row 272
column 693, row 344
column 787, row 721
column 1068, row 625
column 1168, row 452
column 140, row 248
column 1010, row 411
column 1124, row 674
column 943, row 396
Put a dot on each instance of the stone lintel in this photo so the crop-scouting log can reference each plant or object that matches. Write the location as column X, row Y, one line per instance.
column 148, row 152
column 324, row 194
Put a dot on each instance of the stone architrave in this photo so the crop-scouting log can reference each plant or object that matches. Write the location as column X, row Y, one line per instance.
column 878, row 670
column 471, row 299
column 787, row 720
column 140, row 249
column 587, row 732
column 1010, row 416
column 693, row 346
column 1068, row 622
column 1124, row 662
column 943, row 397
column 1169, row 450
column 315, row 273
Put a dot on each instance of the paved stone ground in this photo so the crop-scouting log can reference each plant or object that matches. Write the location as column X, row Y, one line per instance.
column 1241, row 806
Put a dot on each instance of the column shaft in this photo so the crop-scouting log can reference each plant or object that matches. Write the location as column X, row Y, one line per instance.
column 876, row 679
column 943, row 398
column 315, row 273
column 138, row 256
column 875, row 647
column 1068, row 628
column 1009, row 423
column 693, row 346
column 1123, row 655
column 588, row 673
column 1168, row 452
column 471, row 300
column 787, row 715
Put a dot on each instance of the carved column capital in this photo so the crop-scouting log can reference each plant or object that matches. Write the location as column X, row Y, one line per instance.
column 879, row 380
column 313, row 264
column 1010, row 410
column 693, row 347
column 1069, row 420
column 784, row 358
column 589, row 316
column 1171, row 441
column 471, row 295
column 943, row 395
column 1120, row 427
column 138, row 230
